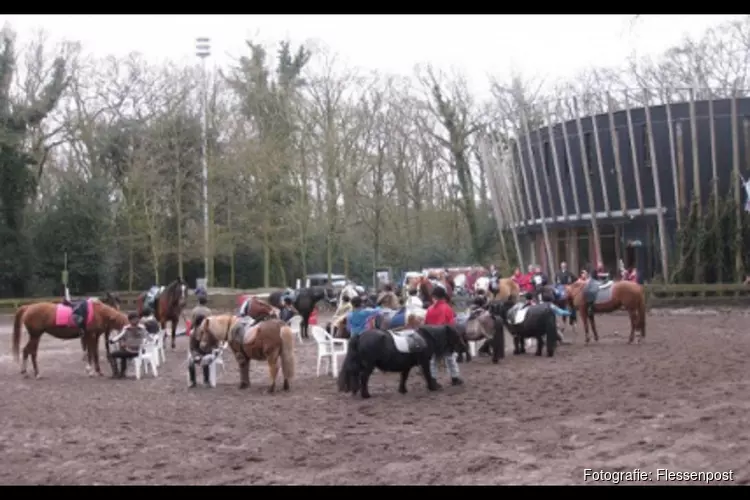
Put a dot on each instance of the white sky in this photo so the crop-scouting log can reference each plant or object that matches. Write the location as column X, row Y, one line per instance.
column 549, row 46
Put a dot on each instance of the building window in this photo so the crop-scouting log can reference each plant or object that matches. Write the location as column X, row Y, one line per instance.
column 547, row 158
column 646, row 147
column 589, row 152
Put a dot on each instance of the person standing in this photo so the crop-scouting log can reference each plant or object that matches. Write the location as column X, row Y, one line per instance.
column 564, row 277
column 441, row 313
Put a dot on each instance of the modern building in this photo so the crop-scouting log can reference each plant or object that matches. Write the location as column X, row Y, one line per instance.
column 651, row 177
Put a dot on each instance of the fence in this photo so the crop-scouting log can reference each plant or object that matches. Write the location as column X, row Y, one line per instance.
column 657, row 295
column 613, row 157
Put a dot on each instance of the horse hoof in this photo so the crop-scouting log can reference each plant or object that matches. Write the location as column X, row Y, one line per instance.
column 286, row 385
column 37, row 376
column 365, row 395
column 270, row 390
column 402, row 390
column 244, row 385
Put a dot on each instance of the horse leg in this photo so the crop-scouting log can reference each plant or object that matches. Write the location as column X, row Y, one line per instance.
column 402, row 383
column 27, row 353
column 593, row 329
column 633, row 322
column 174, row 334
column 33, row 347
column 364, row 379
column 539, row 344
column 273, row 371
column 244, row 367
column 432, row 384
column 517, row 343
column 585, row 320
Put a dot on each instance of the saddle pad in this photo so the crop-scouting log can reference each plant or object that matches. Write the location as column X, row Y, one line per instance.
column 517, row 314
column 63, row 315
column 408, row 341
column 604, row 294
column 603, row 286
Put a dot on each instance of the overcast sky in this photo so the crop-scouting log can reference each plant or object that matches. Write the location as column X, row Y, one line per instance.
column 549, row 46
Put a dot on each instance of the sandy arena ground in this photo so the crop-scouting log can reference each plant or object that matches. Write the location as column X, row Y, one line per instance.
column 681, row 401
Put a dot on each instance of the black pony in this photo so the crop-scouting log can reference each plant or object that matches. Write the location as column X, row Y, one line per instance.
column 378, row 349
column 305, row 302
column 534, row 321
column 558, row 296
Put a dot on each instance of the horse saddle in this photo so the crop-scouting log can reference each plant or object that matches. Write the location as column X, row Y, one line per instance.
column 408, row 341
column 72, row 314
column 604, row 293
column 517, row 314
column 241, row 330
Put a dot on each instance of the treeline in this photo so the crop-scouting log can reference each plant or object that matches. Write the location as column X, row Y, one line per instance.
column 313, row 167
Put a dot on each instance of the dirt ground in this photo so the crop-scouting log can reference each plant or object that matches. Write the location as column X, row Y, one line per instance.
column 681, row 401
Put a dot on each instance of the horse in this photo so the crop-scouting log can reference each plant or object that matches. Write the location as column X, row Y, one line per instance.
column 305, row 302
column 168, row 306
column 384, row 319
column 611, row 297
column 395, row 352
column 523, row 321
column 271, row 340
column 505, row 289
column 260, row 310
column 426, row 286
column 479, row 325
column 56, row 319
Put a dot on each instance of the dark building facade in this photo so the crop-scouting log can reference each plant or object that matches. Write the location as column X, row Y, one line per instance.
column 625, row 202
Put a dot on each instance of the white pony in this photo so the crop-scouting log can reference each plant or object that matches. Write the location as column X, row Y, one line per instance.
column 482, row 283
column 460, row 280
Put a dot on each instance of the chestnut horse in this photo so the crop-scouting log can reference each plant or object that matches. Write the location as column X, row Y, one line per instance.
column 112, row 300
column 270, row 341
column 168, row 306
column 46, row 317
column 507, row 289
column 620, row 294
column 260, row 310
column 425, row 288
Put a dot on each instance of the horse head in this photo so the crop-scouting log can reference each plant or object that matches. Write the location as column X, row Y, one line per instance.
column 176, row 293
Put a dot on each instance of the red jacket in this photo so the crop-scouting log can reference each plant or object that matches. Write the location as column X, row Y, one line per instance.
column 525, row 283
column 440, row 313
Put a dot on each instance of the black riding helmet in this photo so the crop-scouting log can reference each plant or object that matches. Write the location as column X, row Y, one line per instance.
column 202, row 300
column 439, row 293
column 528, row 296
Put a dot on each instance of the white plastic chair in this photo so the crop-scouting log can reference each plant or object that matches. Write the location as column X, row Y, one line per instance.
column 295, row 323
column 161, row 356
column 148, row 357
column 329, row 349
column 473, row 348
column 218, row 361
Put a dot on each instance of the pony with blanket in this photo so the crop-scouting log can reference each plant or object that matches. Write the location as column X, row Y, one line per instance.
column 58, row 321
column 590, row 296
column 477, row 325
column 395, row 352
column 529, row 321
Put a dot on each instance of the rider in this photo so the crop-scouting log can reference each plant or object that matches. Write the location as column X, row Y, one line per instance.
column 287, row 310
column 129, row 344
column 600, row 273
column 245, row 307
column 151, row 295
column 590, row 289
column 441, row 313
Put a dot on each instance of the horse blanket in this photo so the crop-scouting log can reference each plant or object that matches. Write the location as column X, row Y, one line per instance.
column 408, row 341
column 78, row 315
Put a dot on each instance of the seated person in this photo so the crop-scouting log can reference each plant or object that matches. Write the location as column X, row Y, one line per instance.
column 199, row 312
column 129, row 343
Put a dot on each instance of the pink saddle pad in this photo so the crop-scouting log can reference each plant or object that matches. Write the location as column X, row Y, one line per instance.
column 63, row 315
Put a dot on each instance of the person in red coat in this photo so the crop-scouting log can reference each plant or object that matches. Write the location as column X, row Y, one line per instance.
column 441, row 313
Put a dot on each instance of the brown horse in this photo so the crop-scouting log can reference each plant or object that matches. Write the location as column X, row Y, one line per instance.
column 260, row 310
column 425, row 288
column 271, row 341
column 168, row 306
column 55, row 319
column 507, row 289
column 620, row 294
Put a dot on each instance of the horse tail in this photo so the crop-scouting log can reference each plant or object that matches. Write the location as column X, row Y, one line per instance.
column 17, row 332
column 350, row 368
column 641, row 304
column 287, row 352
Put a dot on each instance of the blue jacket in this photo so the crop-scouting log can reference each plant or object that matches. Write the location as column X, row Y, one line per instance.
column 357, row 319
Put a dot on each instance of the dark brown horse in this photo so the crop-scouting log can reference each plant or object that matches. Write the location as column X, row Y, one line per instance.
column 168, row 305
column 620, row 294
column 56, row 319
